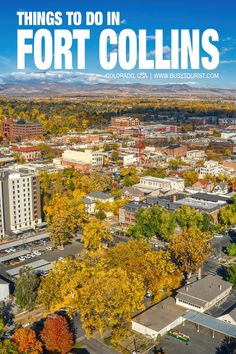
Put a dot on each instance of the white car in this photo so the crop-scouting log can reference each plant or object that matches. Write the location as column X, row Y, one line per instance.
column 28, row 256
column 218, row 235
column 49, row 248
column 60, row 258
column 21, row 258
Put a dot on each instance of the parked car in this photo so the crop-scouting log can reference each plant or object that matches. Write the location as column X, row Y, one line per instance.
column 21, row 258
column 49, row 248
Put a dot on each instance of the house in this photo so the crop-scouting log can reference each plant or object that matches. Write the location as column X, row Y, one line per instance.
column 229, row 317
column 4, row 290
column 203, row 294
column 202, row 185
column 221, row 188
column 159, row 319
column 92, row 198
column 133, row 194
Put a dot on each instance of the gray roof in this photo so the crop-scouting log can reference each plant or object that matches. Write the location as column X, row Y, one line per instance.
column 211, row 322
column 134, row 191
column 204, row 290
column 210, row 197
column 99, row 195
column 14, row 255
column 36, row 265
column 24, row 241
column 159, row 316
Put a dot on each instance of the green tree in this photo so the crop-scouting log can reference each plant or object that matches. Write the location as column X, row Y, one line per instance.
column 154, row 221
column 189, row 217
column 231, row 275
column 26, row 288
column 231, row 249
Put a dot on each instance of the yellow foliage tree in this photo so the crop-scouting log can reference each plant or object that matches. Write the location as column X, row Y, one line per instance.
column 190, row 249
column 95, row 232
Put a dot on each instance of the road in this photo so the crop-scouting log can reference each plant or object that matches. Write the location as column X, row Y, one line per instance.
column 93, row 346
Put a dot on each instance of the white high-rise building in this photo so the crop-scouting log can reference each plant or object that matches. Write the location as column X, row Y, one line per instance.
column 19, row 201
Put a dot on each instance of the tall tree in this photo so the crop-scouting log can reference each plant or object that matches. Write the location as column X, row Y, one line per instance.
column 27, row 342
column 190, row 249
column 26, row 288
column 56, row 335
column 154, row 221
column 95, row 232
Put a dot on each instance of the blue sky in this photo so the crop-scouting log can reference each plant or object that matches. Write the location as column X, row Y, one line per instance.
column 148, row 14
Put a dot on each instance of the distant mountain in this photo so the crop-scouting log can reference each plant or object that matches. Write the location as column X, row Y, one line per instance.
column 49, row 88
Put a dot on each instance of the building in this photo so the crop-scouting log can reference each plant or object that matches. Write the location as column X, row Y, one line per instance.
column 19, row 202
column 176, row 150
column 211, row 206
column 227, row 120
column 229, row 317
column 89, row 139
column 133, row 194
column 212, row 168
column 92, row 198
column 28, row 153
column 4, row 290
column 150, row 184
column 118, row 122
column 87, row 157
column 159, row 319
column 203, row 294
column 21, row 129
column 196, row 154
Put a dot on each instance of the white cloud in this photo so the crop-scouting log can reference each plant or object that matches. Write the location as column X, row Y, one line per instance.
column 166, row 51
column 55, row 76
column 231, row 61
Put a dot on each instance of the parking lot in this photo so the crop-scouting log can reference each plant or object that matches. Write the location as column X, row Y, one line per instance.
column 36, row 251
column 197, row 342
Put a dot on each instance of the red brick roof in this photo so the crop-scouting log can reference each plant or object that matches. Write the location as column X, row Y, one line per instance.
column 25, row 148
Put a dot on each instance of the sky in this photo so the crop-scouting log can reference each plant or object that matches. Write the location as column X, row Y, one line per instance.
column 149, row 15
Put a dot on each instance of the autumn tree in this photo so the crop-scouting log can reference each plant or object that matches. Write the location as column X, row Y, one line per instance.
column 107, row 286
column 190, row 249
column 95, row 233
column 56, row 335
column 7, row 346
column 27, row 342
column 65, row 213
column 189, row 217
column 190, row 177
column 159, row 274
column 154, row 221
column 227, row 215
column 26, row 288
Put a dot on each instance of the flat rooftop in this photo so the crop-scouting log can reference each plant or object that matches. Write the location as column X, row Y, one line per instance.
column 23, row 241
column 40, row 265
column 160, row 315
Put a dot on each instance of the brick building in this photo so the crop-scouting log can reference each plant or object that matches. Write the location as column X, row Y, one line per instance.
column 28, row 153
column 176, row 150
column 21, row 129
